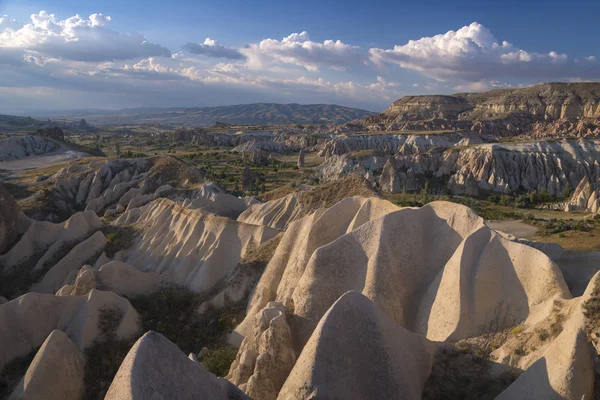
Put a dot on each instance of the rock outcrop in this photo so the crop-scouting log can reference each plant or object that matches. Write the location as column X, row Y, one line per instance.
column 212, row 199
column 34, row 316
column 466, row 281
column 543, row 109
column 280, row 213
column 157, row 368
column 542, row 165
column 380, row 358
column 53, row 249
column 188, row 244
column 585, row 197
column 14, row 148
column 301, row 159
column 56, row 372
column 107, row 186
column 116, row 277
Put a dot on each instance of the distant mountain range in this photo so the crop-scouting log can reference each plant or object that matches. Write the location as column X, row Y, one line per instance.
column 257, row 113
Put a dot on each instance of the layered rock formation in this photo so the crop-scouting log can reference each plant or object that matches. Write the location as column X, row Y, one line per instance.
column 507, row 112
column 185, row 243
column 156, row 368
column 114, row 185
column 453, row 294
column 56, row 372
column 14, row 147
column 549, row 165
column 585, row 197
column 357, row 298
column 279, row 213
column 34, row 316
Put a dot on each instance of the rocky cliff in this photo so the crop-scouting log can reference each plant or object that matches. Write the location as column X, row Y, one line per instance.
column 506, row 112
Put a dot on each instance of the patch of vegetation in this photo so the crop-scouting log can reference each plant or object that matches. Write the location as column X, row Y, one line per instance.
column 219, row 360
column 117, row 238
column 543, row 335
column 591, row 310
column 17, row 281
column 103, row 359
column 517, row 330
column 172, row 312
column 521, row 351
column 460, row 374
column 108, row 321
column 12, row 373
column 552, row 226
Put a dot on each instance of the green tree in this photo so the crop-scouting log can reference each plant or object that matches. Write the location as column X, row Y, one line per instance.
column 424, row 195
column 567, row 191
column 118, row 149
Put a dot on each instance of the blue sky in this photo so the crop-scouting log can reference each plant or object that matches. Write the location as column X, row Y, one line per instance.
column 199, row 53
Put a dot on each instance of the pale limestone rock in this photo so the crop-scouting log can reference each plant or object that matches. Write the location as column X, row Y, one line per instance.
column 186, row 242
column 565, row 369
column 125, row 280
column 35, row 315
column 56, row 372
column 140, row 200
column 301, row 159
column 358, row 352
column 77, row 257
column 266, row 358
column 157, row 368
column 126, row 198
column 322, row 256
column 50, row 238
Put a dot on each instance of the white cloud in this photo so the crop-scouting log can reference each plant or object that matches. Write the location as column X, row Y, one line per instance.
column 76, row 39
column 473, row 54
column 480, row 86
column 298, row 49
column 211, row 48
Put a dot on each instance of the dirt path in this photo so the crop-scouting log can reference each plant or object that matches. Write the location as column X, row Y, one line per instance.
column 514, row 227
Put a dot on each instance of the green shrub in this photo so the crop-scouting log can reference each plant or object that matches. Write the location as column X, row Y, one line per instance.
column 172, row 312
column 12, row 373
column 218, row 361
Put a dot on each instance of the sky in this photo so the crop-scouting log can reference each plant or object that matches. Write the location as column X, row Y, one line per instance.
column 113, row 54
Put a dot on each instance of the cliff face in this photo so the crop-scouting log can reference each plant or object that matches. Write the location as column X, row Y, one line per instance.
column 463, row 160
column 537, row 110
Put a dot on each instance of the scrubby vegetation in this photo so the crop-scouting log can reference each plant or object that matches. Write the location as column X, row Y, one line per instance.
column 172, row 313
column 117, row 238
column 219, row 360
column 12, row 373
column 16, row 281
column 459, row 374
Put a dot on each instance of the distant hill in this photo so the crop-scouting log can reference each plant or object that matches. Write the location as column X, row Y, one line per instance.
column 257, row 113
column 10, row 123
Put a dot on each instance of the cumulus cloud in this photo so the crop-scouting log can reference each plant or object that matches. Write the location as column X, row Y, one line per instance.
column 298, row 49
column 473, row 54
column 76, row 39
column 211, row 48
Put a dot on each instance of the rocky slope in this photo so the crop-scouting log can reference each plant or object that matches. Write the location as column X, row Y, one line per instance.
column 356, row 298
column 550, row 165
column 544, row 109
column 14, row 147
column 300, row 306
